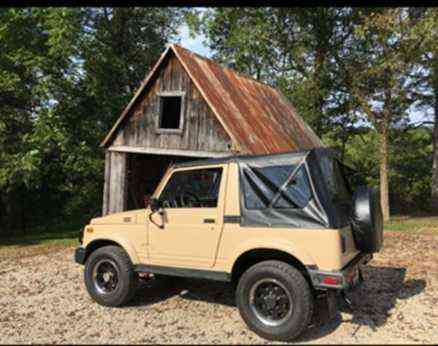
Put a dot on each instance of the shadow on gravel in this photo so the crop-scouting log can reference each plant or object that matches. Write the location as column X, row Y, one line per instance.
column 157, row 290
column 371, row 303
column 383, row 287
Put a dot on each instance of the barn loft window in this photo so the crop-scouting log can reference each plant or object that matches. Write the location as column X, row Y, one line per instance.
column 171, row 112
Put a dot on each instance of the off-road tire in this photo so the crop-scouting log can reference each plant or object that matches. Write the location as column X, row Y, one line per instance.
column 127, row 281
column 302, row 300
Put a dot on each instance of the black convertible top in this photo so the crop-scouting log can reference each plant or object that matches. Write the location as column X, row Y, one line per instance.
column 298, row 189
column 259, row 158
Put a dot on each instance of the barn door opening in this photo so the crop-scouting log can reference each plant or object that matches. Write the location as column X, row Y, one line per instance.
column 144, row 173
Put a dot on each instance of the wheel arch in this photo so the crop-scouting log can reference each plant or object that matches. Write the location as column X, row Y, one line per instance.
column 257, row 255
column 101, row 242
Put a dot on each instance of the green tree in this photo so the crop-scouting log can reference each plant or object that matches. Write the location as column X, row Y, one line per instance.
column 425, row 77
column 377, row 66
column 65, row 76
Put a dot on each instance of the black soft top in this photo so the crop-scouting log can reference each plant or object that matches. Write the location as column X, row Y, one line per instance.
column 265, row 180
column 295, row 155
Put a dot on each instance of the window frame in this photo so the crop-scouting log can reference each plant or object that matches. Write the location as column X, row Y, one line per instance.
column 178, row 170
column 161, row 95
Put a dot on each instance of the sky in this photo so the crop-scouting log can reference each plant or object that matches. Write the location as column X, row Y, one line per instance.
column 197, row 45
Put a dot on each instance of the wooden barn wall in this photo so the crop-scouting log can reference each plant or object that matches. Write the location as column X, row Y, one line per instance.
column 115, row 186
column 202, row 131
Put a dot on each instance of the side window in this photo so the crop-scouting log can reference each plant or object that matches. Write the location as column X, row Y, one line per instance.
column 192, row 189
column 297, row 192
column 270, row 186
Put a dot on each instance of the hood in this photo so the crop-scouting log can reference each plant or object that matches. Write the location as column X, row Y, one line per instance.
column 127, row 217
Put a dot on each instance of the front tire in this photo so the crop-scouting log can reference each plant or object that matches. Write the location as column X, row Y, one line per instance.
column 110, row 277
column 275, row 300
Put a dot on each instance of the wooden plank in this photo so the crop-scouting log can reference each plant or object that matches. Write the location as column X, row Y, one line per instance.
column 106, row 184
column 118, row 186
column 161, row 151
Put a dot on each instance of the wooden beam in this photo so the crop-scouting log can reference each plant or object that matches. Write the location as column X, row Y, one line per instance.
column 106, row 184
column 118, row 187
column 173, row 152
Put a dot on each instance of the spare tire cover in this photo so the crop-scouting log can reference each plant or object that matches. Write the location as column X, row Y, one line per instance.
column 367, row 220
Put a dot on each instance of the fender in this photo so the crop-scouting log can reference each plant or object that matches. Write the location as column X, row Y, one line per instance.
column 274, row 244
column 122, row 242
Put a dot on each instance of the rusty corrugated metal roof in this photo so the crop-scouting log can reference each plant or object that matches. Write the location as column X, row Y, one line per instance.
column 258, row 118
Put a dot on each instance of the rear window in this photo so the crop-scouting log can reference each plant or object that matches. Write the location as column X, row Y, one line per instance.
column 278, row 187
column 335, row 180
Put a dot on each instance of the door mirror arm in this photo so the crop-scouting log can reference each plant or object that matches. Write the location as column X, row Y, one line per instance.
column 156, row 206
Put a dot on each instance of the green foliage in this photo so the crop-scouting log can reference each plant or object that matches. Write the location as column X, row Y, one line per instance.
column 410, row 155
column 66, row 74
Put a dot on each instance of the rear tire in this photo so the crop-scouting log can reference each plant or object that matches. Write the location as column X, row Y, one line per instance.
column 262, row 295
column 110, row 277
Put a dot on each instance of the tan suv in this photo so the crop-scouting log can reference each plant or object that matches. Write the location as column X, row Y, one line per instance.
column 283, row 228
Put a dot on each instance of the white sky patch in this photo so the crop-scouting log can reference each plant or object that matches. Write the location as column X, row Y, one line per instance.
column 195, row 44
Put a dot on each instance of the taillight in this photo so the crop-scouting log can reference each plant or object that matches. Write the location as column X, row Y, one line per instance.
column 332, row 280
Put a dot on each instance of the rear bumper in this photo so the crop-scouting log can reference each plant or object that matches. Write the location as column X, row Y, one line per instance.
column 80, row 255
column 348, row 277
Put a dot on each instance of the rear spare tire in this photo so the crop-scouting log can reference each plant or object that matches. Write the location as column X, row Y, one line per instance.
column 367, row 220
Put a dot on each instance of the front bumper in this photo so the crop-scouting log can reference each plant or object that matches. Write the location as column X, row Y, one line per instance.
column 348, row 277
column 80, row 255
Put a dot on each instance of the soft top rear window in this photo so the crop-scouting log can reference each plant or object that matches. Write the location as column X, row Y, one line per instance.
column 277, row 187
column 335, row 180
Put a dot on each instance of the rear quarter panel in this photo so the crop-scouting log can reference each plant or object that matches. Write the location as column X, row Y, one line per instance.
column 317, row 247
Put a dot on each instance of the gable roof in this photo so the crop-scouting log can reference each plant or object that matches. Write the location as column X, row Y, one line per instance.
column 257, row 117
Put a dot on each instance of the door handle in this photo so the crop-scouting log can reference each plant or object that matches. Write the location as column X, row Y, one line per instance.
column 209, row 221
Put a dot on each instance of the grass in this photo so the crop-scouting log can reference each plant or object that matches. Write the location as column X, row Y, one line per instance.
column 410, row 224
column 35, row 242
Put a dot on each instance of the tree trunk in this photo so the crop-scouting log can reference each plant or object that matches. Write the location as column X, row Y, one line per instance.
column 434, row 195
column 384, row 190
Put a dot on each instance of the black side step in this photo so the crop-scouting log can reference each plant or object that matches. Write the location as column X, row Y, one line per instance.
column 184, row 272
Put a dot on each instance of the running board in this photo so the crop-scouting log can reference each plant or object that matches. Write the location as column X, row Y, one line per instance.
column 184, row 272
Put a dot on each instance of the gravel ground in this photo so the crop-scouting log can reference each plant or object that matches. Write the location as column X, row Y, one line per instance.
column 43, row 300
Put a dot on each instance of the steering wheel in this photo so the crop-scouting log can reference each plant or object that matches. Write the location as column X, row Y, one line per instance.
column 191, row 198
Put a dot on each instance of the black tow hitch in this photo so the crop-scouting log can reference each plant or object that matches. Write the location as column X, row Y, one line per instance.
column 356, row 285
column 346, row 300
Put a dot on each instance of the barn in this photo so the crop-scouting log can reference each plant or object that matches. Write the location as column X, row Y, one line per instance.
column 190, row 107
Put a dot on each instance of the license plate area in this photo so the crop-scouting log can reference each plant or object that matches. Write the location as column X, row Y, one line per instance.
column 353, row 276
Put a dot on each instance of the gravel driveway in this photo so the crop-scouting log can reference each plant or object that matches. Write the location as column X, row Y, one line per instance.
column 43, row 300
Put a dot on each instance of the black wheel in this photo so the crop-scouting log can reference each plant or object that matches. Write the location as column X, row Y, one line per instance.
column 110, row 277
column 275, row 300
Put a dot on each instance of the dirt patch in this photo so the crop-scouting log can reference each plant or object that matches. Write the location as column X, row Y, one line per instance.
column 43, row 300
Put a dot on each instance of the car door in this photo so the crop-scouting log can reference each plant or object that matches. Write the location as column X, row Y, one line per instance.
column 187, row 230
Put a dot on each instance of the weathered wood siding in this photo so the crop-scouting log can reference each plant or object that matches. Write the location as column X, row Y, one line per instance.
column 201, row 131
column 115, row 187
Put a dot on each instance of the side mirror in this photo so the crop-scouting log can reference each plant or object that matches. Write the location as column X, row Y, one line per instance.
column 155, row 204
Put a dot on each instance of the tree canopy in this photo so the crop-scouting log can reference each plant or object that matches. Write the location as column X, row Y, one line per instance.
column 354, row 74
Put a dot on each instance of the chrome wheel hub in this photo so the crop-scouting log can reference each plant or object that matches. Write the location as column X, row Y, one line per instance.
column 105, row 276
column 270, row 302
